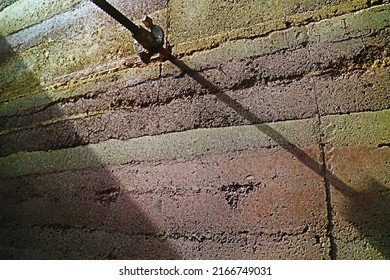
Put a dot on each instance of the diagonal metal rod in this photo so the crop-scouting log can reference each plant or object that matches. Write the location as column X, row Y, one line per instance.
column 152, row 40
column 118, row 16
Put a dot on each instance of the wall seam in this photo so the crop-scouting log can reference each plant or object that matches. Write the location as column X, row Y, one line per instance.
column 328, row 196
column 329, row 208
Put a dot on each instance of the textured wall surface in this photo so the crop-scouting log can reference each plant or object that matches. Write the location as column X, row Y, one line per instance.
column 275, row 146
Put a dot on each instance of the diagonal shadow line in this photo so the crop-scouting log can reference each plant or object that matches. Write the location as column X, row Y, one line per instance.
column 318, row 168
column 373, row 204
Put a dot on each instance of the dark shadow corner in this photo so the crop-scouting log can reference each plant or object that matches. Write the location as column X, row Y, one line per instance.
column 79, row 214
column 369, row 212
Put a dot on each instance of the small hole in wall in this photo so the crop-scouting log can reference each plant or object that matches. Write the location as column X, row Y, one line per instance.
column 234, row 192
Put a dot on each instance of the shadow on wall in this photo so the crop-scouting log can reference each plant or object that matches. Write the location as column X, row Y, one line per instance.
column 87, row 214
column 368, row 211
column 79, row 214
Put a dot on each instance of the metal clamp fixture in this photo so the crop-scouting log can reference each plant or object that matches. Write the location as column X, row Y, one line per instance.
column 151, row 39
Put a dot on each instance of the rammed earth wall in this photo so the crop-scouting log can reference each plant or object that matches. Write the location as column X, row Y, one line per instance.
column 275, row 146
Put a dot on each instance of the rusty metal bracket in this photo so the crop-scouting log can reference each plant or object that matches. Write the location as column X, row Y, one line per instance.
column 150, row 38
